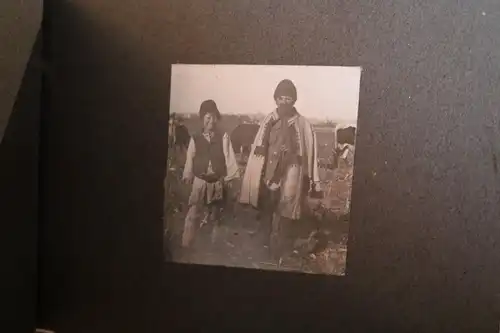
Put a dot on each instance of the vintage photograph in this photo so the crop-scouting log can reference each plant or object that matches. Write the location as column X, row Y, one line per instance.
column 260, row 166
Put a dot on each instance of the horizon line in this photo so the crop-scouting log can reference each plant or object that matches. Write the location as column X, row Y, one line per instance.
column 264, row 114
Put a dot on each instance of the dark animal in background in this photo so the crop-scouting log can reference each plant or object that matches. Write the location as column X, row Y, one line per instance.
column 346, row 135
column 178, row 136
column 178, row 142
column 182, row 137
column 328, row 145
column 242, row 138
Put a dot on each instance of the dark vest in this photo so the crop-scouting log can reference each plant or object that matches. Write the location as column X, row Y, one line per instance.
column 209, row 152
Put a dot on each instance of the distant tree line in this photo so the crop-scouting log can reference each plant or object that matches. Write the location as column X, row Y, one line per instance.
column 233, row 118
column 326, row 123
column 243, row 118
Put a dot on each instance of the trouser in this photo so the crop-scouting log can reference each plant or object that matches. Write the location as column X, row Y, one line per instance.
column 279, row 230
column 192, row 221
column 282, row 231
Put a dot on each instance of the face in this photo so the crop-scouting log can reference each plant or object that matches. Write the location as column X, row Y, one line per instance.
column 285, row 102
column 209, row 122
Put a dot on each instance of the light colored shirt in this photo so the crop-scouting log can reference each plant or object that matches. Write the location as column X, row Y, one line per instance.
column 230, row 159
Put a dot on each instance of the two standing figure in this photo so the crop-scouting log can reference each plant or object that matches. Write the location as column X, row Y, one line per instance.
column 281, row 171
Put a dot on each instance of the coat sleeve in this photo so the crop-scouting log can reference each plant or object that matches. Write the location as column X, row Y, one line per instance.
column 231, row 164
column 251, row 181
column 188, row 167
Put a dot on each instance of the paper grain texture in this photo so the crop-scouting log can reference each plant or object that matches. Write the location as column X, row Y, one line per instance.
column 19, row 25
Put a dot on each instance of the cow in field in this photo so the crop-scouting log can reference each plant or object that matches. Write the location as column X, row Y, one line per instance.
column 242, row 137
column 332, row 144
column 178, row 142
column 178, row 135
column 346, row 135
column 182, row 136
column 345, row 138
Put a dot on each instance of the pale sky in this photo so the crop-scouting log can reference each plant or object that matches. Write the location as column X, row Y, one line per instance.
column 322, row 92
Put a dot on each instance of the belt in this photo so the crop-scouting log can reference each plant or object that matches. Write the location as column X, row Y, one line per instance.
column 212, row 178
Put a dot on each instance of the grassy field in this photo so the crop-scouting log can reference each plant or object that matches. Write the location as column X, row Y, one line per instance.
column 320, row 246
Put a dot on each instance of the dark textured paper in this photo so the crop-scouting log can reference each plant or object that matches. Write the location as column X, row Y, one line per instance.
column 422, row 253
column 19, row 24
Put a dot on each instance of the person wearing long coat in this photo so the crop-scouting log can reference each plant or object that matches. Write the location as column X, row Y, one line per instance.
column 282, row 168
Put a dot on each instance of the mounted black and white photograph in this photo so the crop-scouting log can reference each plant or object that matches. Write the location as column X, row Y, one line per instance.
column 260, row 166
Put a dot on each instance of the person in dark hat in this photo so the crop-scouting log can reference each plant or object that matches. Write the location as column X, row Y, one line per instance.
column 282, row 168
column 285, row 88
column 210, row 164
column 209, row 107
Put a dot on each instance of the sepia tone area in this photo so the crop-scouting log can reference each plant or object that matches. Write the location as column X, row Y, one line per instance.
column 320, row 236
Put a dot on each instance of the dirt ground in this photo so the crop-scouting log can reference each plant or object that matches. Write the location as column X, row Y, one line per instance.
column 319, row 246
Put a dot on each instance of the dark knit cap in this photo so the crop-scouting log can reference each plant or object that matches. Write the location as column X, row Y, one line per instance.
column 209, row 106
column 286, row 88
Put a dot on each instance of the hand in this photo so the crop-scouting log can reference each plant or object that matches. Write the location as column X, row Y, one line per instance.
column 272, row 186
column 187, row 179
column 315, row 187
